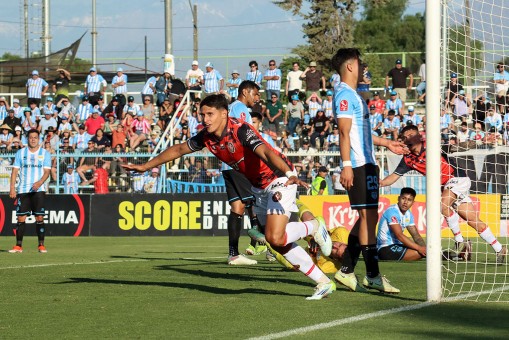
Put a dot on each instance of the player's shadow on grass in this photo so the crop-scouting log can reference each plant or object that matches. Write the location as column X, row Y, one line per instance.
column 191, row 286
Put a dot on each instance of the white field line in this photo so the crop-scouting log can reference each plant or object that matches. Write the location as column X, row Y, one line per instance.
column 103, row 262
column 339, row 322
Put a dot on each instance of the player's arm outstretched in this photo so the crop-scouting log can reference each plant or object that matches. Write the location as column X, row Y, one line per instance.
column 398, row 232
column 398, row 148
column 389, row 180
column 173, row 152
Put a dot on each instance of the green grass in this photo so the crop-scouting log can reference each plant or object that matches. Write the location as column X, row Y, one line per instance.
column 182, row 288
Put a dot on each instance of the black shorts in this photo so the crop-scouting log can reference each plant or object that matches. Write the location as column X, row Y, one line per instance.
column 31, row 203
column 237, row 186
column 364, row 192
column 394, row 252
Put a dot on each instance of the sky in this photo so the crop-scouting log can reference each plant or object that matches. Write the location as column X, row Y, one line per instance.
column 243, row 30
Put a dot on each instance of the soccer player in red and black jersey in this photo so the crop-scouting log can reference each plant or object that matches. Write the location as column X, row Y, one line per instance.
column 455, row 193
column 273, row 179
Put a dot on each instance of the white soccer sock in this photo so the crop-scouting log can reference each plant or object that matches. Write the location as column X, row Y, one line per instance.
column 297, row 230
column 488, row 236
column 453, row 222
column 299, row 257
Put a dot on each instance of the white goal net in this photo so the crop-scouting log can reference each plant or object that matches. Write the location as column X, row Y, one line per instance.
column 475, row 82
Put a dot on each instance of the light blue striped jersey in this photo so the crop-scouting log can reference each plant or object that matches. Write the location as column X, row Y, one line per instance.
column 211, row 81
column 3, row 112
column 31, row 167
column 255, row 76
column 122, row 88
column 239, row 110
column 348, row 104
column 35, row 86
column 93, row 84
column 234, row 91
column 273, row 84
column 385, row 237
column 84, row 111
column 147, row 89
column 70, row 182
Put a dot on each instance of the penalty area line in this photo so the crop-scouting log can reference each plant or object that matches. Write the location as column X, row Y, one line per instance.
column 339, row 322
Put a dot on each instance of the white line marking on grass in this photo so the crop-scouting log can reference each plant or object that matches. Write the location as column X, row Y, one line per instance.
column 70, row 264
column 339, row 322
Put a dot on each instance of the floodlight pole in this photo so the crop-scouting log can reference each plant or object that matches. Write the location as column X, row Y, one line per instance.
column 433, row 190
column 94, row 36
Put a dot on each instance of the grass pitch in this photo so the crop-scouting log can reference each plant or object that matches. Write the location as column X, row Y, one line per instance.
column 182, row 288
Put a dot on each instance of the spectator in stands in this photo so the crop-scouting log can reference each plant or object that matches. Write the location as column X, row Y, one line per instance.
column 64, row 125
column 493, row 120
column 119, row 85
column 100, row 140
column 394, row 103
column 94, row 123
column 412, row 117
column 115, row 168
column 461, row 105
column 11, row 120
column 52, row 137
column 477, row 135
column 398, row 76
column 332, row 142
column 233, row 85
column 165, row 114
column 46, row 122
column 286, row 142
column 213, row 81
column 327, row 106
column 5, row 138
column 421, row 88
column 153, row 141
column 19, row 138
column 150, row 87
column 375, row 120
column 194, row 78
column 481, row 107
column 505, row 135
column 293, row 80
column 306, row 149
column 364, row 83
column 392, row 124
column 18, row 109
column 66, row 136
column 131, row 107
column 87, row 164
column 61, row 84
column 462, row 135
column 49, row 106
column 492, row 137
column 452, row 90
column 115, row 108
column 65, row 161
column 110, row 125
column 151, row 182
column 334, row 80
column 314, row 103
column 501, row 80
column 197, row 172
column 274, row 115
column 36, row 88
column 66, row 109
column 28, row 121
column 70, row 180
column 36, row 112
column 319, row 129
column 84, row 111
column 254, row 74
column 81, row 139
column 140, row 130
column 379, row 103
column 149, row 110
column 95, row 86
column 446, row 121
column 315, row 81
column 100, row 178
column 319, row 184
column 273, row 78
column 294, row 114
column 163, row 87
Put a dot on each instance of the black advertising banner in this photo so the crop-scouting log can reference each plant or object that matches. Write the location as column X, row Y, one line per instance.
column 66, row 215
column 165, row 215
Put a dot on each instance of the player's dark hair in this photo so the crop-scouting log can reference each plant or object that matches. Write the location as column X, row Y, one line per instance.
column 248, row 85
column 409, row 191
column 343, row 55
column 33, row 131
column 408, row 128
column 256, row 115
column 216, row 101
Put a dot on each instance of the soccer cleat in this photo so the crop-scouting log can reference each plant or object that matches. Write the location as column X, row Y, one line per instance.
column 42, row 249
column 260, row 249
column 269, row 256
column 16, row 249
column 502, row 255
column 322, row 237
column 350, row 281
column 323, row 290
column 379, row 283
column 256, row 235
column 464, row 250
column 240, row 260
column 251, row 250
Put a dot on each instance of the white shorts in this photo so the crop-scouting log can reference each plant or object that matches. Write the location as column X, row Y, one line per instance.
column 460, row 186
column 275, row 199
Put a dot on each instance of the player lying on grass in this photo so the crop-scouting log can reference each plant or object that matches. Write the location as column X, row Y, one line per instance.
column 273, row 179
column 456, row 201
column 392, row 244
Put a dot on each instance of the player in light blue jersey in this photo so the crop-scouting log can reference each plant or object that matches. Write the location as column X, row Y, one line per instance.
column 392, row 244
column 32, row 166
column 359, row 175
